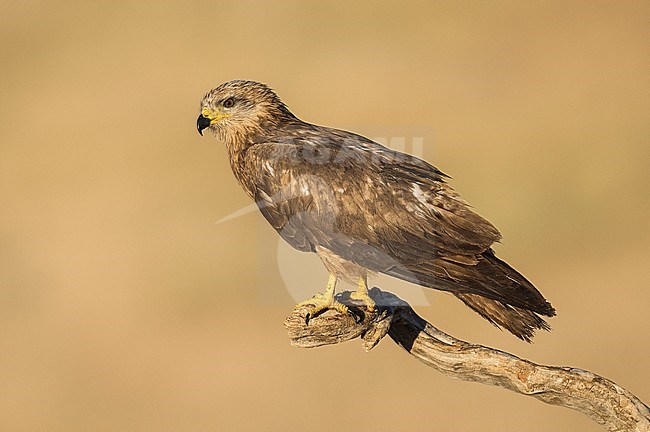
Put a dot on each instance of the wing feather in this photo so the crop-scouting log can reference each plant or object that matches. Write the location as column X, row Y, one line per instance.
column 385, row 211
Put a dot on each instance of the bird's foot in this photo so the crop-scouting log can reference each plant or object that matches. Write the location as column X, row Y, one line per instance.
column 321, row 302
column 364, row 297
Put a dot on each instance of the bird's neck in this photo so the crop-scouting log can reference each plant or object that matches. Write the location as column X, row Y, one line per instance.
column 239, row 140
column 236, row 147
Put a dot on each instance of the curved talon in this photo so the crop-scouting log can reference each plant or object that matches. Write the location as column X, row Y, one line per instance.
column 323, row 301
column 356, row 316
column 319, row 304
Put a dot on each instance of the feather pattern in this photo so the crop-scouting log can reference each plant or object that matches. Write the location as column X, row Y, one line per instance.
column 363, row 208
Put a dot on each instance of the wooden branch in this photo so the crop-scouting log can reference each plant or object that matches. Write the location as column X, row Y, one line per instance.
column 602, row 400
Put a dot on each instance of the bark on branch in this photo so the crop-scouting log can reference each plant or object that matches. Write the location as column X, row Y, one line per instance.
column 602, row 400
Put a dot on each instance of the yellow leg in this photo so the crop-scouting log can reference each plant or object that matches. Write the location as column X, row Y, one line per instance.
column 323, row 301
column 362, row 295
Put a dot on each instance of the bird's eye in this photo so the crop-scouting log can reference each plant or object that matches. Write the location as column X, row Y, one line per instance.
column 228, row 103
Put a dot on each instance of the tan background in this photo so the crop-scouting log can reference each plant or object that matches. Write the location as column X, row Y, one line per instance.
column 124, row 307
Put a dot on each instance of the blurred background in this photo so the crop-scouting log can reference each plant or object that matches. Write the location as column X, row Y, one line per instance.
column 125, row 306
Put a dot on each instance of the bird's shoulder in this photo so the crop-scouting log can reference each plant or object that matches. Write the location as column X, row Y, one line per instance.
column 313, row 149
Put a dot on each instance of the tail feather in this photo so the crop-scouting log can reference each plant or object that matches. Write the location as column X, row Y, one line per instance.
column 520, row 322
column 489, row 286
column 534, row 300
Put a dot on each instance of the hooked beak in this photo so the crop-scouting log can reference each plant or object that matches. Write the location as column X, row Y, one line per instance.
column 201, row 123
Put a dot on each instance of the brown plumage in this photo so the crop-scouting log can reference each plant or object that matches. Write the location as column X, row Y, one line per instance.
column 364, row 208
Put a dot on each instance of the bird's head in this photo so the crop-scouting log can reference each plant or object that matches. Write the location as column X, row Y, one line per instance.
column 239, row 108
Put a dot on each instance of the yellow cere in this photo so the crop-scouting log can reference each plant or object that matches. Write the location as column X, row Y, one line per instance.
column 214, row 116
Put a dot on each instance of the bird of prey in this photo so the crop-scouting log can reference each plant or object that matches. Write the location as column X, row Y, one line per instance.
column 365, row 209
